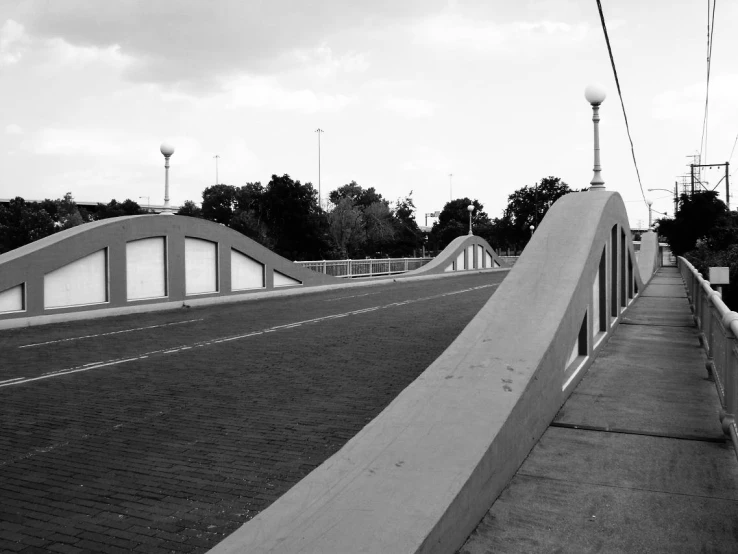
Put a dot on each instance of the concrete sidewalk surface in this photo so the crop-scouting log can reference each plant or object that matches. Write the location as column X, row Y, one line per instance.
column 635, row 460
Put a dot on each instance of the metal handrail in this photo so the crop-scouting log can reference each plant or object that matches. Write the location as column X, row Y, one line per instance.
column 718, row 327
column 368, row 267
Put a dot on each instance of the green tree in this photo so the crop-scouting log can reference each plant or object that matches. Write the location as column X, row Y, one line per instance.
column 119, row 209
column 189, row 208
column 701, row 216
column 218, row 203
column 346, row 228
column 453, row 221
column 361, row 197
column 23, row 222
column 408, row 238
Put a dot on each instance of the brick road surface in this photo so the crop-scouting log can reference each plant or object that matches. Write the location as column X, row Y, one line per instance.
column 164, row 432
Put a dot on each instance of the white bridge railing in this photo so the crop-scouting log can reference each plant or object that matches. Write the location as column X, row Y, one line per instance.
column 365, row 268
column 718, row 331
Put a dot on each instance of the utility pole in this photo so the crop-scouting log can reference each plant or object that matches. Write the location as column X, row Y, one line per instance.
column 727, row 179
column 216, row 158
column 320, row 194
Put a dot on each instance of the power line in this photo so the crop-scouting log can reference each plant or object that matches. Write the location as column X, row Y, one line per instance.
column 620, row 94
column 710, row 33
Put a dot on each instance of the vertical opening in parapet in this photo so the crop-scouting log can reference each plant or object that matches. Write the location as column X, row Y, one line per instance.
column 146, row 268
column 631, row 277
column 579, row 353
column 599, row 301
column 623, row 273
column 614, row 272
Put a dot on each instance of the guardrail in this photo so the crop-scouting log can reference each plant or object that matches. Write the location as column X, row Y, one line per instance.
column 364, row 268
column 718, row 331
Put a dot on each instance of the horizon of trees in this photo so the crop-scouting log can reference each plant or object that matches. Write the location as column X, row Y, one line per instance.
column 284, row 216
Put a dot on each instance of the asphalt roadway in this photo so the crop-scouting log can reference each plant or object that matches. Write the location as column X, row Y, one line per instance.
column 164, row 432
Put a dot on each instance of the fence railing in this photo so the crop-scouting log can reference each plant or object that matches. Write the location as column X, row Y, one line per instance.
column 365, row 268
column 718, row 331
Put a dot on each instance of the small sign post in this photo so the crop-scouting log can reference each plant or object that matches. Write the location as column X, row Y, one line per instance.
column 719, row 276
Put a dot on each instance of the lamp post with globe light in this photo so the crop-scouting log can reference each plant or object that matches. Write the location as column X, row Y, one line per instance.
column 595, row 95
column 650, row 203
column 167, row 150
column 470, row 207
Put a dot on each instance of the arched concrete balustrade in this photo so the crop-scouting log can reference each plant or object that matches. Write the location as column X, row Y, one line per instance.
column 137, row 263
column 420, row 476
column 462, row 254
column 142, row 263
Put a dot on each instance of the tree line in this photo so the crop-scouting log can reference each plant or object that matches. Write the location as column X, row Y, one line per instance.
column 285, row 216
column 705, row 232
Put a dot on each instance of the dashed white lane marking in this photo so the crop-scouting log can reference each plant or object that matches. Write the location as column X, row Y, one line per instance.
column 108, row 363
column 352, row 296
column 110, row 333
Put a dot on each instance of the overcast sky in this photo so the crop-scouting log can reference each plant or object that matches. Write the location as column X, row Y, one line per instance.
column 407, row 92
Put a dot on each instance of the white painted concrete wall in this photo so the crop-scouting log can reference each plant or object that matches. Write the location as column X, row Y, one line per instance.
column 480, row 256
column 11, row 300
column 201, row 266
column 246, row 273
column 82, row 282
column 469, row 257
column 146, row 273
column 281, row 280
column 460, row 261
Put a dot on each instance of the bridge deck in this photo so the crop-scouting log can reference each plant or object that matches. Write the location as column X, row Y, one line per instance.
column 635, row 461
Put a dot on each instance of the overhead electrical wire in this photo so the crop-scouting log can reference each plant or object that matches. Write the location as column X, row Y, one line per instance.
column 620, row 94
column 710, row 33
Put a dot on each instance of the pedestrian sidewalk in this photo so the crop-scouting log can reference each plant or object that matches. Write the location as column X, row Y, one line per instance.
column 635, row 460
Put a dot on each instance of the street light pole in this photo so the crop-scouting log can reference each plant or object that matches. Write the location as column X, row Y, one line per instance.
column 320, row 195
column 470, row 207
column 676, row 199
column 595, row 95
column 650, row 203
column 167, row 150
column 216, row 158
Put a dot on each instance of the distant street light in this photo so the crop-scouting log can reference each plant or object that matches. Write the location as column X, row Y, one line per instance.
column 320, row 195
column 167, row 150
column 595, row 95
column 650, row 203
column 676, row 197
column 148, row 200
column 532, row 228
column 216, row 158
column 470, row 207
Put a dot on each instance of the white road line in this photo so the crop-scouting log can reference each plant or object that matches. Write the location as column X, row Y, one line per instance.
column 108, row 334
column 108, row 363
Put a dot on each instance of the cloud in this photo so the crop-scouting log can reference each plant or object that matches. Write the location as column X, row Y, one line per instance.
column 688, row 102
column 190, row 42
column 13, row 129
column 264, row 93
column 80, row 142
column 410, row 107
column 453, row 30
column 13, row 41
column 322, row 62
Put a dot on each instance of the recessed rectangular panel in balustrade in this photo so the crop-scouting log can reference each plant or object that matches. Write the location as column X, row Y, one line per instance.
column 13, row 300
column 201, row 266
column 480, row 256
column 470, row 257
column 246, row 273
column 282, row 280
column 460, row 261
column 80, row 283
column 146, row 268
